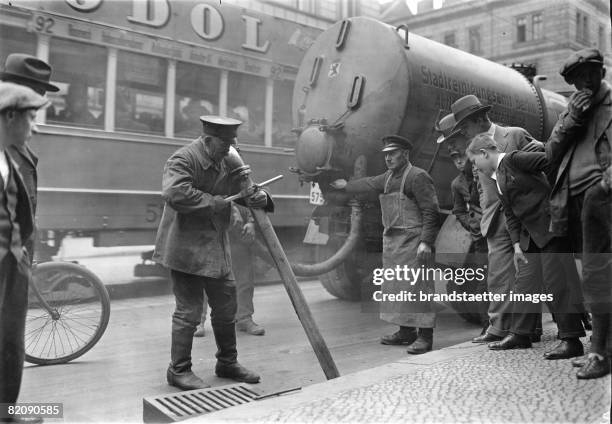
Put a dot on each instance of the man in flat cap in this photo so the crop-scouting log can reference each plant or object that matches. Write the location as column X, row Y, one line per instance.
column 466, row 204
column 582, row 131
column 192, row 241
column 18, row 106
column 34, row 73
column 472, row 119
column 410, row 218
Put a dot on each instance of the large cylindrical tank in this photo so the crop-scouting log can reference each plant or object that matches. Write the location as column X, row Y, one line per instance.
column 363, row 79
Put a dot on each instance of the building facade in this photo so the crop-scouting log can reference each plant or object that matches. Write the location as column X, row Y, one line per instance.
column 538, row 32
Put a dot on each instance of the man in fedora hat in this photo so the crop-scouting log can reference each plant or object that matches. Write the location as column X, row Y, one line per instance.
column 34, row 73
column 582, row 131
column 192, row 241
column 472, row 119
column 409, row 206
column 18, row 106
column 466, row 203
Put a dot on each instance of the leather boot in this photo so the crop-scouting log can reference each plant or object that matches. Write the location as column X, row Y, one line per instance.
column 594, row 368
column 405, row 335
column 179, row 372
column 568, row 348
column 227, row 355
column 423, row 343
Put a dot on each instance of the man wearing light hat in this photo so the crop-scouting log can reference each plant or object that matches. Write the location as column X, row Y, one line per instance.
column 18, row 106
column 34, row 73
column 409, row 206
column 472, row 119
column 584, row 129
column 192, row 241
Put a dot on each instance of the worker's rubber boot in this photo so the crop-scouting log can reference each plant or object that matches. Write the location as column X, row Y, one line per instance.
column 423, row 343
column 227, row 355
column 179, row 372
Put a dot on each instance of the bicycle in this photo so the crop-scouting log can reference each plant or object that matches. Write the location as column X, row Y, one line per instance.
column 68, row 312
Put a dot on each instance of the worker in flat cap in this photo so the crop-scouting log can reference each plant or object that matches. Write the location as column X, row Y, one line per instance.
column 581, row 131
column 409, row 205
column 29, row 71
column 472, row 118
column 18, row 106
column 192, row 241
column 466, row 206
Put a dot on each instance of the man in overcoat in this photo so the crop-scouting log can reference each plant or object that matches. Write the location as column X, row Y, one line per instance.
column 410, row 215
column 192, row 241
column 472, row 119
column 18, row 106
column 582, row 131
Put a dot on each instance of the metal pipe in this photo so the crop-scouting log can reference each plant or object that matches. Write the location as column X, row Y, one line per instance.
column 309, row 270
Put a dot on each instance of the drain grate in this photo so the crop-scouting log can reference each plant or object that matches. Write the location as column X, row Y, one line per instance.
column 182, row 405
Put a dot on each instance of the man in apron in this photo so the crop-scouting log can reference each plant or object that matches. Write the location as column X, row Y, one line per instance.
column 411, row 223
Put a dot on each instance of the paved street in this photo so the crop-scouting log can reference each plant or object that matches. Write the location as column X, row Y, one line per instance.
column 129, row 363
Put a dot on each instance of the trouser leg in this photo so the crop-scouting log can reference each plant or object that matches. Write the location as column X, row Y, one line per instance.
column 245, row 287
column 602, row 331
column 557, row 283
column 222, row 299
column 501, row 276
column 525, row 314
column 189, row 296
column 14, row 280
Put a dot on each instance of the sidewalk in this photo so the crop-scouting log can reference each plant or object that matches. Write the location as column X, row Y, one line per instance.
column 465, row 383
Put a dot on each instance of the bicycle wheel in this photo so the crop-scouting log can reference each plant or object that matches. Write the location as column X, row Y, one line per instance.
column 68, row 311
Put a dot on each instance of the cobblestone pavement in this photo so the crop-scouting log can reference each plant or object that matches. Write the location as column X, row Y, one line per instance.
column 516, row 386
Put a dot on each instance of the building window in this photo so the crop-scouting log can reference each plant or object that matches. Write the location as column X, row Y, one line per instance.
column 474, row 36
column 80, row 101
column 537, row 26
column 585, row 29
column 521, row 30
column 197, row 94
column 602, row 39
column 582, row 28
column 141, row 93
column 449, row 39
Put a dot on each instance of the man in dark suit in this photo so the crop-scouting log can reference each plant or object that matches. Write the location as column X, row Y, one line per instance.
column 524, row 192
column 472, row 119
column 18, row 106
column 34, row 73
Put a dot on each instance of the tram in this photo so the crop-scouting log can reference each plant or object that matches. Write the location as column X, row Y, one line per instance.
column 134, row 77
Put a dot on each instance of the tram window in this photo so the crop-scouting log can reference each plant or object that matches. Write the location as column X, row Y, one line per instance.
column 281, row 119
column 79, row 70
column 140, row 93
column 197, row 94
column 246, row 101
column 15, row 40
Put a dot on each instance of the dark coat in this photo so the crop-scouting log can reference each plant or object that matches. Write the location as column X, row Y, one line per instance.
column 507, row 139
column 560, row 147
column 27, row 161
column 525, row 197
column 23, row 209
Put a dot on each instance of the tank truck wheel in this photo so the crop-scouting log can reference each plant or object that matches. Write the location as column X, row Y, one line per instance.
column 346, row 281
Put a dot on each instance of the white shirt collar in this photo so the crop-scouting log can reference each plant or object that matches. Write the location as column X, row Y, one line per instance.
column 494, row 175
column 491, row 130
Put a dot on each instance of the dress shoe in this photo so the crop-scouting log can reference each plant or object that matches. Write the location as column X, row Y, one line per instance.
column 199, row 331
column 486, row 338
column 236, row 372
column 422, row 344
column 568, row 348
column 512, row 341
column 594, row 368
column 185, row 381
column 250, row 327
column 401, row 337
column 579, row 362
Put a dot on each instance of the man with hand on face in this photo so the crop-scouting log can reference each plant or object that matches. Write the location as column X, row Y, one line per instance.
column 472, row 119
column 18, row 106
column 192, row 241
column 409, row 206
